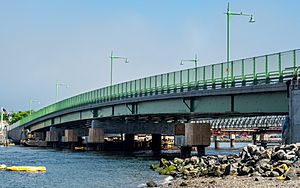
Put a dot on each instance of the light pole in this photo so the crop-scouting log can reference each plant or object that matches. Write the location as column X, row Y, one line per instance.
column 112, row 57
column 229, row 13
column 58, row 84
column 30, row 105
column 195, row 61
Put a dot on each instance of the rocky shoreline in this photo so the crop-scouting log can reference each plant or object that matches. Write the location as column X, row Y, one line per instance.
column 253, row 167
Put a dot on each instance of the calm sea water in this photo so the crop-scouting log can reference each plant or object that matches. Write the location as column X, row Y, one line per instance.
column 87, row 169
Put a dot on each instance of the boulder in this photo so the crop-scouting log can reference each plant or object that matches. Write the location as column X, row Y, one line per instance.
column 178, row 161
column 195, row 160
column 279, row 155
column 164, row 162
column 244, row 170
column 272, row 174
column 291, row 174
column 151, row 184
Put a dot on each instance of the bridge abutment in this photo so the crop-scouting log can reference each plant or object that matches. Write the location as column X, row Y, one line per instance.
column 291, row 128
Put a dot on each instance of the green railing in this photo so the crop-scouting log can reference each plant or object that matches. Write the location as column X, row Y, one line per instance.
column 262, row 69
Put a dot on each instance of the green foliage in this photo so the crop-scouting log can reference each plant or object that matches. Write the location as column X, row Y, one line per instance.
column 15, row 116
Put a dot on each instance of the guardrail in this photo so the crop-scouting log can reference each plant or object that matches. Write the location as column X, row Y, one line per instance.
column 261, row 69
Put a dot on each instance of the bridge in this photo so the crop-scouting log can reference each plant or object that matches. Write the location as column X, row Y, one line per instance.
column 251, row 87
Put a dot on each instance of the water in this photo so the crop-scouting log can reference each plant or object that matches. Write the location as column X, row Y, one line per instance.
column 87, row 169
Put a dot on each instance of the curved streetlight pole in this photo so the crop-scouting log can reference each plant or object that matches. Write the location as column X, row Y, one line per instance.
column 195, row 61
column 30, row 105
column 229, row 14
column 112, row 58
column 59, row 84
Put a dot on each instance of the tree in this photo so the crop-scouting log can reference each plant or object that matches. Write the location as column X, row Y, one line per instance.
column 15, row 116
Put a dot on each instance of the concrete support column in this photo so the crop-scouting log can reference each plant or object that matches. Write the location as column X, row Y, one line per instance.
column 129, row 142
column 254, row 139
column 71, row 138
column 232, row 140
column 156, row 142
column 217, row 142
column 200, row 151
column 264, row 139
column 53, row 137
column 95, row 140
column 185, row 151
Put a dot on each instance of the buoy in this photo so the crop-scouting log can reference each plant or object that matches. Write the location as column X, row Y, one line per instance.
column 27, row 168
column 2, row 167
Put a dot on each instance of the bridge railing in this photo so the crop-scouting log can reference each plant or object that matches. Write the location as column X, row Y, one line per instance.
column 256, row 70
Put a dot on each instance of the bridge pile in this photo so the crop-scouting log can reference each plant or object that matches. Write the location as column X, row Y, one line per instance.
column 280, row 161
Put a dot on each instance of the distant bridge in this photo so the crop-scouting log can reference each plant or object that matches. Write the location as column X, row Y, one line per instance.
column 243, row 88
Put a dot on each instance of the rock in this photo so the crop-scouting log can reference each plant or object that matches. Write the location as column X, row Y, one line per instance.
column 265, row 154
column 195, row 160
column 171, row 168
column 279, row 170
column 211, row 162
column 218, row 171
column 151, row 184
column 178, row 161
column 279, row 155
column 250, row 163
column 289, row 157
column 272, row 174
column 154, row 166
column 244, row 170
column 183, row 184
column 256, row 179
column 291, row 174
column 252, row 149
column 256, row 174
column 164, row 162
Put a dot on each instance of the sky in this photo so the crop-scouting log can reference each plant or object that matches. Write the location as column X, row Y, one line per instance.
column 70, row 41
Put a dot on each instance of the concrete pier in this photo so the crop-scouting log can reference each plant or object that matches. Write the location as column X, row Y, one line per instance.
column 70, row 138
column 192, row 134
column 95, row 140
column 156, row 142
column 185, row 151
column 217, row 142
column 232, row 140
column 200, row 151
column 129, row 142
column 264, row 139
column 254, row 139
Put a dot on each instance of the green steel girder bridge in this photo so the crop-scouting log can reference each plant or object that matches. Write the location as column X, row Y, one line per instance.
column 243, row 88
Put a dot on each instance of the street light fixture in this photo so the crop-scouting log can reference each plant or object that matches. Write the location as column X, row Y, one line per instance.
column 30, row 105
column 229, row 13
column 195, row 61
column 59, row 84
column 112, row 57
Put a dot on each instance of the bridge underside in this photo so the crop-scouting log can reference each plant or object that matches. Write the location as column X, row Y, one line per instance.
column 159, row 113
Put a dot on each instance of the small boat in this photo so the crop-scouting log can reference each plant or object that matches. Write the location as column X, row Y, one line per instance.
column 27, row 168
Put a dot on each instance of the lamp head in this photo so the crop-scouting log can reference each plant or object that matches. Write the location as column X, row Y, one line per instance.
column 126, row 60
column 251, row 19
column 181, row 62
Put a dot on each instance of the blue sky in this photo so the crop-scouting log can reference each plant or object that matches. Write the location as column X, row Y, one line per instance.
column 70, row 40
